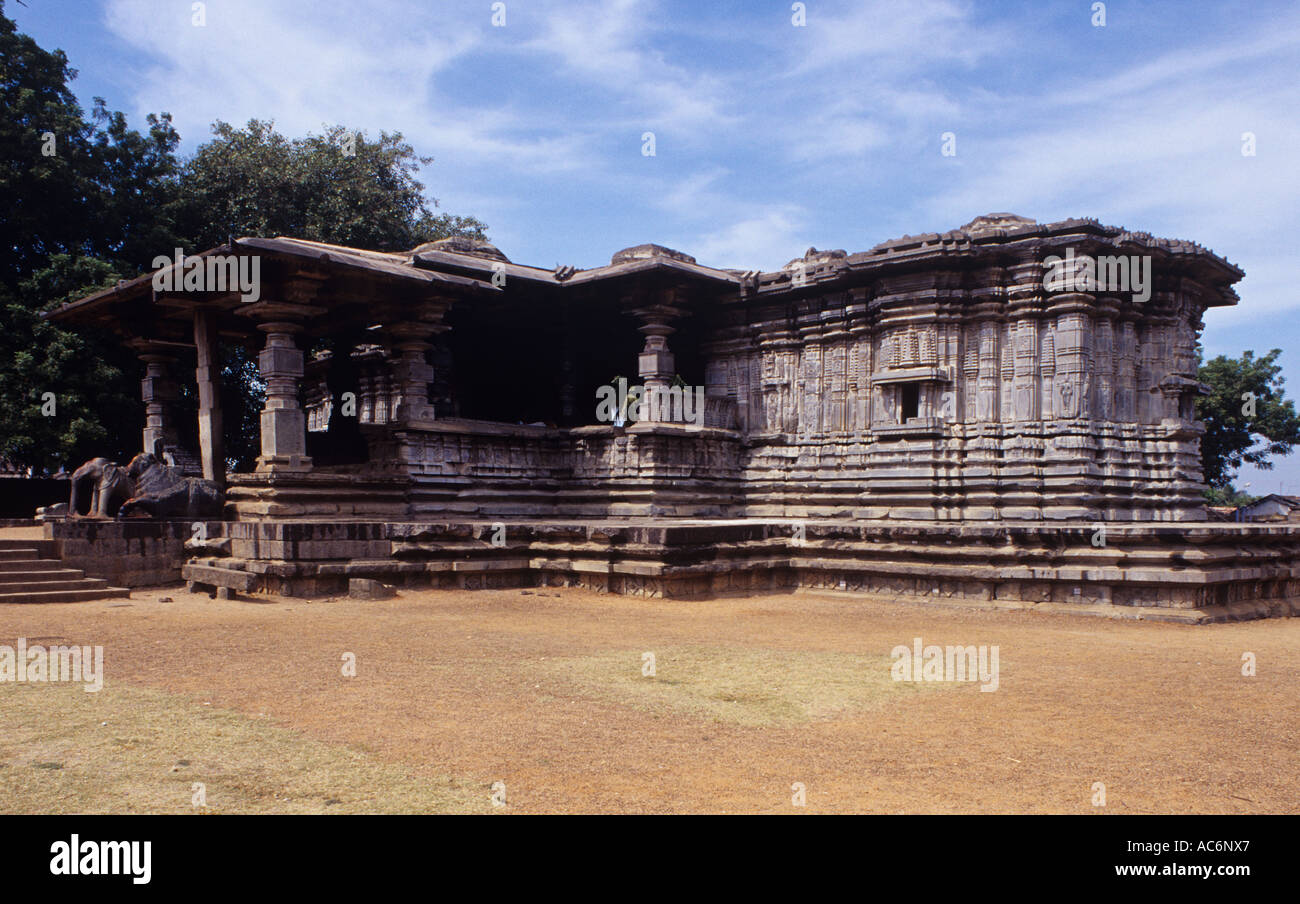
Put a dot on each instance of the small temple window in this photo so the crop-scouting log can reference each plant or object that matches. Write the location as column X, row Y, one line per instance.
column 909, row 402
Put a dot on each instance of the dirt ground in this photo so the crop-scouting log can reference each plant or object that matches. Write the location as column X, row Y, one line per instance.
column 544, row 691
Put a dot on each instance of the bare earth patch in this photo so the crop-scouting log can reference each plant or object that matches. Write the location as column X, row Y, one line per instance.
column 543, row 690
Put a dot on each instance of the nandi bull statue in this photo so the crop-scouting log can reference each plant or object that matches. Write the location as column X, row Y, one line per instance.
column 144, row 488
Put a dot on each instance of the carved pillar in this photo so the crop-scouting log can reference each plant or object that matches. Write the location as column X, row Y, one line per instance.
column 1025, row 404
column 159, row 393
column 656, row 364
column 970, row 371
column 365, row 394
column 986, row 403
column 212, row 446
column 1127, row 373
column 810, row 383
column 283, row 422
column 412, row 373
column 284, row 426
column 1074, row 345
column 1006, row 385
column 1047, row 367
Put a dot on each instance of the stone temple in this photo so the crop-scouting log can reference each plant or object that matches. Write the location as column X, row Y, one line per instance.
column 979, row 416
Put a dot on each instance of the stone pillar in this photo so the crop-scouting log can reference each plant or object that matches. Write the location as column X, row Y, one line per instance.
column 284, row 425
column 656, row 365
column 986, row 400
column 1074, row 346
column 810, row 389
column 1047, row 367
column 411, row 371
column 159, row 393
column 212, row 446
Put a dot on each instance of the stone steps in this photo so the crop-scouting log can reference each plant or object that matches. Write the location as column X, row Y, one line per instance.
column 35, row 547
column 29, row 573
column 54, row 575
column 61, row 584
column 16, row 566
column 64, row 596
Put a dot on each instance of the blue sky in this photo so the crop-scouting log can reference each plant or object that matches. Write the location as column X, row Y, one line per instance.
column 769, row 138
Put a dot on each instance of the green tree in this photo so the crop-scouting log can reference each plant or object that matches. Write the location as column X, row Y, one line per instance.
column 91, row 379
column 339, row 187
column 1227, row 496
column 46, row 148
column 81, row 200
column 89, row 201
column 1247, row 418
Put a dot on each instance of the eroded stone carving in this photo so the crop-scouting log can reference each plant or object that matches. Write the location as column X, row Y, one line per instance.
column 144, row 488
column 107, row 484
column 162, row 492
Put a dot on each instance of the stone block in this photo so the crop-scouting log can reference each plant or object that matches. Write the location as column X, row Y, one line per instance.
column 369, row 589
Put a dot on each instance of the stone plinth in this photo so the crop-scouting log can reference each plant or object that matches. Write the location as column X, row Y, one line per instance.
column 1193, row 573
column 125, row 553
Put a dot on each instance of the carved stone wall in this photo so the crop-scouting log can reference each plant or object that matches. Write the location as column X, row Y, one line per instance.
column 941, row 378
column 956, row 393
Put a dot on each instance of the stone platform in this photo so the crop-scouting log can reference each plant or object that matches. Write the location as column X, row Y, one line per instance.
column 125, row 553
column 1192, row 572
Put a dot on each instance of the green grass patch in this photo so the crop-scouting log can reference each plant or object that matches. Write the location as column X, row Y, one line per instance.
column 739, row 685
column 136, row 750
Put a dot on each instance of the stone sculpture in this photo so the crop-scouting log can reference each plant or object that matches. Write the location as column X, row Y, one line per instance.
column 161, row 492
column 144, row 488
column 108, row 485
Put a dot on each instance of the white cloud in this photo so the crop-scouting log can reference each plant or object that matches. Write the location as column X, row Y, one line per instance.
column 761, row 155
column 612, row 45
column 896, row 39
column 1166, row 159
column 372, row 65
column 765, row 241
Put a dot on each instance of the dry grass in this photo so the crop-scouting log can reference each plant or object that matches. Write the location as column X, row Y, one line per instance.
column 133, row 750
column 545, row 693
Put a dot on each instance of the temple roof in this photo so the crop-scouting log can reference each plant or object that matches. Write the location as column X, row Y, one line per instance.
column 1006, row 228
column 461, row 266
column 1001, row 236
column 458, row 244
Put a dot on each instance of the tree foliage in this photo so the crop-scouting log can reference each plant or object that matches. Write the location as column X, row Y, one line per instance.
column 337, row 187
column 89, row 201
column 1247, row 418
column 63, row 235
column 1227, row 496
